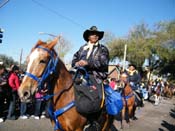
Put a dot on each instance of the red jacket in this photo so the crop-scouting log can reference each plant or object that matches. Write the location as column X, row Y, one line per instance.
column 14, row 81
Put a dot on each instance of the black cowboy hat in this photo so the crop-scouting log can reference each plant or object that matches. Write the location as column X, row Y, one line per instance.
column 132, row 65
column 93, row 30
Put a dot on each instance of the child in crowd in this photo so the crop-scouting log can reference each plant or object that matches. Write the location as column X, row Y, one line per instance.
column 39, row 103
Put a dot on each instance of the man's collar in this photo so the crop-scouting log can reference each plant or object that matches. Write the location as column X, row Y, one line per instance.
column 96, row 44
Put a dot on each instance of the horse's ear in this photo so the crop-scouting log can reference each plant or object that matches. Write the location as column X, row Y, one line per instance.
column 53, row 43
column 37, row 44
column 40, row 42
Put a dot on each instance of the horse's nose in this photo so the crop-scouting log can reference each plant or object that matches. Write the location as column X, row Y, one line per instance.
column 26, row 94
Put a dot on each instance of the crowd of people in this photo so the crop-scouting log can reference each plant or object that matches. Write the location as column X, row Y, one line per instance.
column 11, row 107
column 150, row 90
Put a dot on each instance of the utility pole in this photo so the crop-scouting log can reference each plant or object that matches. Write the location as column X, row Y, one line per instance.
column 124, row 57
column 20, row 59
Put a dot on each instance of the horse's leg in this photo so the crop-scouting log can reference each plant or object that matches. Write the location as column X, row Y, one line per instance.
column 123, row 116
column 130, row 113
column 171, row 94
column 108, row 123
column 133, row 112
column 156, row 99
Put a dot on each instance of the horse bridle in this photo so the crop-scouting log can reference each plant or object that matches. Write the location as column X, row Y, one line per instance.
column 49, row 70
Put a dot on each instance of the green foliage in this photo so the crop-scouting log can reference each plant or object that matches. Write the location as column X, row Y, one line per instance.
column 143, row 42
column 8, row 61
column 116, row 48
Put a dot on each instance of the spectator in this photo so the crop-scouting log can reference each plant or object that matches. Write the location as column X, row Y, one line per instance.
column 2, row 83
column 39, row 104
column 23, row 105
column 14, row 83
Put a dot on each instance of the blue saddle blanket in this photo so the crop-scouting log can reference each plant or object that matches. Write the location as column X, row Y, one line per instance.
column 113, row 101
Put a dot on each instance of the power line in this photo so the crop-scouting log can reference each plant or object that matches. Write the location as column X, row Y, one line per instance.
column 3, row 3
column 58, row 14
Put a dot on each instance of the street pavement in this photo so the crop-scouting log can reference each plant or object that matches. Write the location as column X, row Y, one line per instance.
column 150, row 118
column 153, row 118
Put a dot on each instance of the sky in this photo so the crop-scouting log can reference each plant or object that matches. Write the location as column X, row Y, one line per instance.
column 22, row 20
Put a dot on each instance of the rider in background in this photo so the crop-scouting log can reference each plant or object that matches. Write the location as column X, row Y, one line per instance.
column 134, row 80
column 134, row 76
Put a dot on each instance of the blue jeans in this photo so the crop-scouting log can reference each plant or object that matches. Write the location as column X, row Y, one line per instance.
column 11, row 111
column 23, row 108
column 38, row 103
column 1, row 104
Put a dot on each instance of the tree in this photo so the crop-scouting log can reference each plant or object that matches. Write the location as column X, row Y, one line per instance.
column 156, row 44
column 62, row 47
column 165, row 38
column 7, row 61
column 138, row 45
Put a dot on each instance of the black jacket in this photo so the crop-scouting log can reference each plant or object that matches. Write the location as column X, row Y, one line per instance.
column 97, row 61
column 135, row 77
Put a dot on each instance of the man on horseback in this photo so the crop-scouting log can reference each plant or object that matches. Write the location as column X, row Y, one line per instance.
column 134, row 80
column 134, row 76
column 94, row 57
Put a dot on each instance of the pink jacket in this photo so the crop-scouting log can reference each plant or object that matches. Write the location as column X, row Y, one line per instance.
column 112, row 84
column 38, row 95
column 14, row 81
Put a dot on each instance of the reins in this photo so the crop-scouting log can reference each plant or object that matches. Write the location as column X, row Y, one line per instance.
column 48, row 71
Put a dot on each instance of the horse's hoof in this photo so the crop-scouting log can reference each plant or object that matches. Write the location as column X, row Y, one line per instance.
column 134, row 118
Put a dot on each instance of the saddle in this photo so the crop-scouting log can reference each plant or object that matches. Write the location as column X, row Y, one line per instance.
column 138, row 98
column 89, row 95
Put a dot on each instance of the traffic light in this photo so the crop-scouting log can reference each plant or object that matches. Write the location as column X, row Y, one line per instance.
column 1, row 35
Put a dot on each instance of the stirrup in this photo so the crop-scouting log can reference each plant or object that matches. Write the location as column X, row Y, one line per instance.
column 93, row 126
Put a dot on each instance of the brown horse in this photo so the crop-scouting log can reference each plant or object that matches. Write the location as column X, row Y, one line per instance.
column 128, row 100
column 168, row 90
column 45, row 67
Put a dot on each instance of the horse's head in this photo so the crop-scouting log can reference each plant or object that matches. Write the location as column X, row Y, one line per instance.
column 41, row 62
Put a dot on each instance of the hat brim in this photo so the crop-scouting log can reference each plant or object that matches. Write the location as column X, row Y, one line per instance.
column 88, row 32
